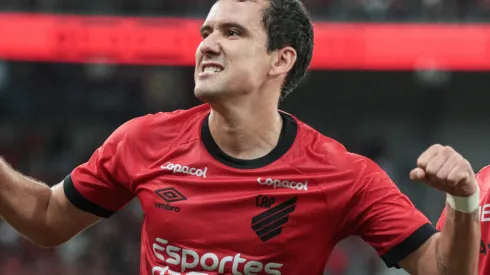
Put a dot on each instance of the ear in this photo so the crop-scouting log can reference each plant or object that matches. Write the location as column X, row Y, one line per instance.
column 283, row 61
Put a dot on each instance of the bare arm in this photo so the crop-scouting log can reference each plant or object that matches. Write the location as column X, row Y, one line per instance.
column 461, row 233
column 42, row 214
column 453, row 251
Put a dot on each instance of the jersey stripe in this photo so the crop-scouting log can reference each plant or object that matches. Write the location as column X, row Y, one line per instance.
column 79, row 201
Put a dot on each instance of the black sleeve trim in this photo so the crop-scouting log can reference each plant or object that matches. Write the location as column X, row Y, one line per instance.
column 79, row 201
column 409, row 245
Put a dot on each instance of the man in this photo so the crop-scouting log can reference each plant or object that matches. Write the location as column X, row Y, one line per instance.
column 483, row 179
column 236, row 186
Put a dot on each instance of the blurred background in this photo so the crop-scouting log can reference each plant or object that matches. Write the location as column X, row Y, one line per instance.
column 54, row 113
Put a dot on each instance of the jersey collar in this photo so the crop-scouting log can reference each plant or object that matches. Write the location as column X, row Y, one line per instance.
column 286, row 139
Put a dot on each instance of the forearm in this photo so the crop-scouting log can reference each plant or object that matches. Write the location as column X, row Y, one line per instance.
column 457, row 249
column 24, row 203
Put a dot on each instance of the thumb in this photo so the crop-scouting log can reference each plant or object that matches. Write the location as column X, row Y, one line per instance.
column 417, row 174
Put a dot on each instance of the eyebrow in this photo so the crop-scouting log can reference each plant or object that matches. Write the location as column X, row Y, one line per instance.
column 226, row 25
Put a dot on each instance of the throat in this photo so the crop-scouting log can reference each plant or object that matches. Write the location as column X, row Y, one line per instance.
column 247, row 139
column 249, row 147
column 246, row 151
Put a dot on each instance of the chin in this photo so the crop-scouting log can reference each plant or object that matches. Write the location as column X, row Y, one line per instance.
column 205, row 93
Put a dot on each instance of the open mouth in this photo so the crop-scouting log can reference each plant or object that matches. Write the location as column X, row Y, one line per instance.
column 211, row 68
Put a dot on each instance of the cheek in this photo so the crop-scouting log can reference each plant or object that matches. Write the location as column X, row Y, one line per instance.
column 198, row 52
column 261, row 60
column 251, row 70
column 196, row 63
column 250, row 63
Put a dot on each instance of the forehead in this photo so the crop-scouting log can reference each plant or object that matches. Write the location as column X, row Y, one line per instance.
column 246, row 13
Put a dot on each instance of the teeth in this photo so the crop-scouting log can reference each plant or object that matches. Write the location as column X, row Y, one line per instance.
column 212, row 69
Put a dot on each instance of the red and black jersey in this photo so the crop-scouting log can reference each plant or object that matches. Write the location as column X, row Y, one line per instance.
column 209, row 213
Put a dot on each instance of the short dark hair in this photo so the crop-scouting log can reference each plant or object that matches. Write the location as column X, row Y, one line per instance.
column 287, row 23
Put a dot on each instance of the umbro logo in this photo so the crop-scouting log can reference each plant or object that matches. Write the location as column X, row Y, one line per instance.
column 169, row 195
column 269, row 223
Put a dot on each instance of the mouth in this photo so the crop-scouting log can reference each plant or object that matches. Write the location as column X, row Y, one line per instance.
column 211, row 69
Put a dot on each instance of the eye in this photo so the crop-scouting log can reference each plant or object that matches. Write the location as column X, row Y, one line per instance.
column 232, row 33
column 204, row 34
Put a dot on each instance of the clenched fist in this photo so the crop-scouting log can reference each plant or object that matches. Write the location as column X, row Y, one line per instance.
column 445, row 169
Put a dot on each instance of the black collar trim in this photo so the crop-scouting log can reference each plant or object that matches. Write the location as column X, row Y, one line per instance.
column 286, row 139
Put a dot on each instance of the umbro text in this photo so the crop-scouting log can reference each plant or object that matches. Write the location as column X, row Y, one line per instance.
column 167, row 207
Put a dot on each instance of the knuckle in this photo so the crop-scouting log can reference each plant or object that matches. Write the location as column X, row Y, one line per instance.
column 457, row 156
column 431, row 170
column 422, row 160
column 448, row 150
column 436, row 148
column 441, row 175
column 462, row 165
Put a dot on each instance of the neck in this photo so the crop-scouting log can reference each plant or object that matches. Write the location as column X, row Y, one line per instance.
column 246, row 132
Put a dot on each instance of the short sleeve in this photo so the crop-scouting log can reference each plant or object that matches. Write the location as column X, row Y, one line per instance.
column 101, row 186
column 442, row 219
column 386, row 219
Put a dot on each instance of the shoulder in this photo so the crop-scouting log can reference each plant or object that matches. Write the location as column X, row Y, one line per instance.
column 483, row 178
column 330, row 154
column 159, row 127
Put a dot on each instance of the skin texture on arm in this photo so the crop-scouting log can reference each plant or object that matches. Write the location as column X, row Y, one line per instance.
column 454, row 251
column 43, row 215
column 448, row 249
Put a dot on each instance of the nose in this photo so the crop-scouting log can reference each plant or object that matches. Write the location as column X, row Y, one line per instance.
column 210, row 46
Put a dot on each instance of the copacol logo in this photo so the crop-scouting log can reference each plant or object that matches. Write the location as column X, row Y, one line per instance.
column 184, row 169
column 169, row 195
column 276, row 183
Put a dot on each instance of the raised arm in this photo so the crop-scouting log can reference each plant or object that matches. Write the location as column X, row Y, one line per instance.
column 403, row 237
column 455, row 250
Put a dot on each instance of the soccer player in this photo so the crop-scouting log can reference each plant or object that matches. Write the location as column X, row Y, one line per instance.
column 483, row 179
column 236, row 186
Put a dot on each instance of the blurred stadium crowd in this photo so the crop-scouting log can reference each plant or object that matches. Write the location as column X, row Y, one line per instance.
column 53, row 116
column 358, row 10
